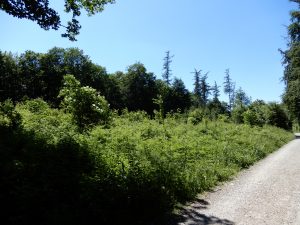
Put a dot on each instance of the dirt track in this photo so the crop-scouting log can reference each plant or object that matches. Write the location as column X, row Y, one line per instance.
column 267, row 193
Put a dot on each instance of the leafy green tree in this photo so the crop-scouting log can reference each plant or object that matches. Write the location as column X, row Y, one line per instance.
column 257, row 113
column 9, row 117
column 291, row 61
column 38, row 75
column 240, row 106
column 78, row 64
column 291, row 98
column 53, row 67
column 165, row 91
column 237, row 113
column 175, row 97
column 59, row 61
column 112, row 91
column 179, row 97
column 84, row 103
column 277, row 116
column 167, row 72
column 181, row 94
column 95, row 76
column 216, row 108
column 47, row 18
column 31, row 74
column 139, row 88
column 9, row 79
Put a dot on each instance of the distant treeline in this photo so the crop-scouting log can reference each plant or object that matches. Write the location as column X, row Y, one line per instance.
column 33, row 75
column 36, row 75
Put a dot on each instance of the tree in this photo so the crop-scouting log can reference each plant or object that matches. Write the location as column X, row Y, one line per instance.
column 291, row 98
column 30, row 74
column 215, row 91
column 166, row 93
column 240, row 104
column 167, row 72
column 139, row 88
column 241, row 98
column 229, row 88
column 257, row 113
column 197, row 88
column 201, row 89
column 291, row 61
column 179, row 96
column 204, row 89
column 111, row 90
column 214, row 106
column 47, row 18
column 53, row 67
column 277, row 116
column 9, row 80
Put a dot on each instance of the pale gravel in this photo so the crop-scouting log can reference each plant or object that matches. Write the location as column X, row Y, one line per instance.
column 266, row 193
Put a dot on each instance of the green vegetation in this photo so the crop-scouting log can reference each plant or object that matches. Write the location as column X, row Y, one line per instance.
column 84, row 103
column 35, row 75
column 291, row 96
column 130, row 171
column 122, row 148
column 81, row 146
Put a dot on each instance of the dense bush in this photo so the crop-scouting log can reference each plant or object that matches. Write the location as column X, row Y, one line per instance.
column 259, row 113
column 84, row 103
column 129, row 173
column 277, row 116
column 9, row 117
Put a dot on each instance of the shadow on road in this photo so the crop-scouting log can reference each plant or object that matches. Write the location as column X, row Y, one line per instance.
column 192, row 216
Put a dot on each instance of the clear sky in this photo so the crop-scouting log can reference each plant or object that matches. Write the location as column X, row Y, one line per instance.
column 211, row 35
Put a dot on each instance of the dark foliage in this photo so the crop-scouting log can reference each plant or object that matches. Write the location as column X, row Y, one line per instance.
column 47, row 18
column 291, row 96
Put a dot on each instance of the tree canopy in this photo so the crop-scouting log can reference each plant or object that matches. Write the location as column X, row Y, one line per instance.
column 291, row 57
column 48, row 18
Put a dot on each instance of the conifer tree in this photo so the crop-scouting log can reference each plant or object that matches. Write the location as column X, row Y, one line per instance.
column 204, row 89
column 167, row 72
column 197, row 87
column 215, row 92
column 229, row 88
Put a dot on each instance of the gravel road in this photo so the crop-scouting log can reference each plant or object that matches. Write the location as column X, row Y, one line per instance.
column 267, row 193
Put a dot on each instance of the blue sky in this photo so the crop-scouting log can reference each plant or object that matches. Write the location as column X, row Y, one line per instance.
column 211, row 35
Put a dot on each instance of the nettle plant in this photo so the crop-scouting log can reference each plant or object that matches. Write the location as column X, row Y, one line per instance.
column 86, row 105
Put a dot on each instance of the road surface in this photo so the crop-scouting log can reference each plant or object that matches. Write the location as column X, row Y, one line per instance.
column 267, row 193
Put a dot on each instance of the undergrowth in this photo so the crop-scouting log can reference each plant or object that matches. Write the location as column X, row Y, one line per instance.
column 130, row 172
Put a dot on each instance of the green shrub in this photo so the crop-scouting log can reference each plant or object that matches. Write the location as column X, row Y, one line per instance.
column 137, row 168
column 278, row 117
column 9, row 117
column 195, row 116
column 46, row 123
column 237, row 114
column 250, row 118
column 84, row 103
column 36, row 106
